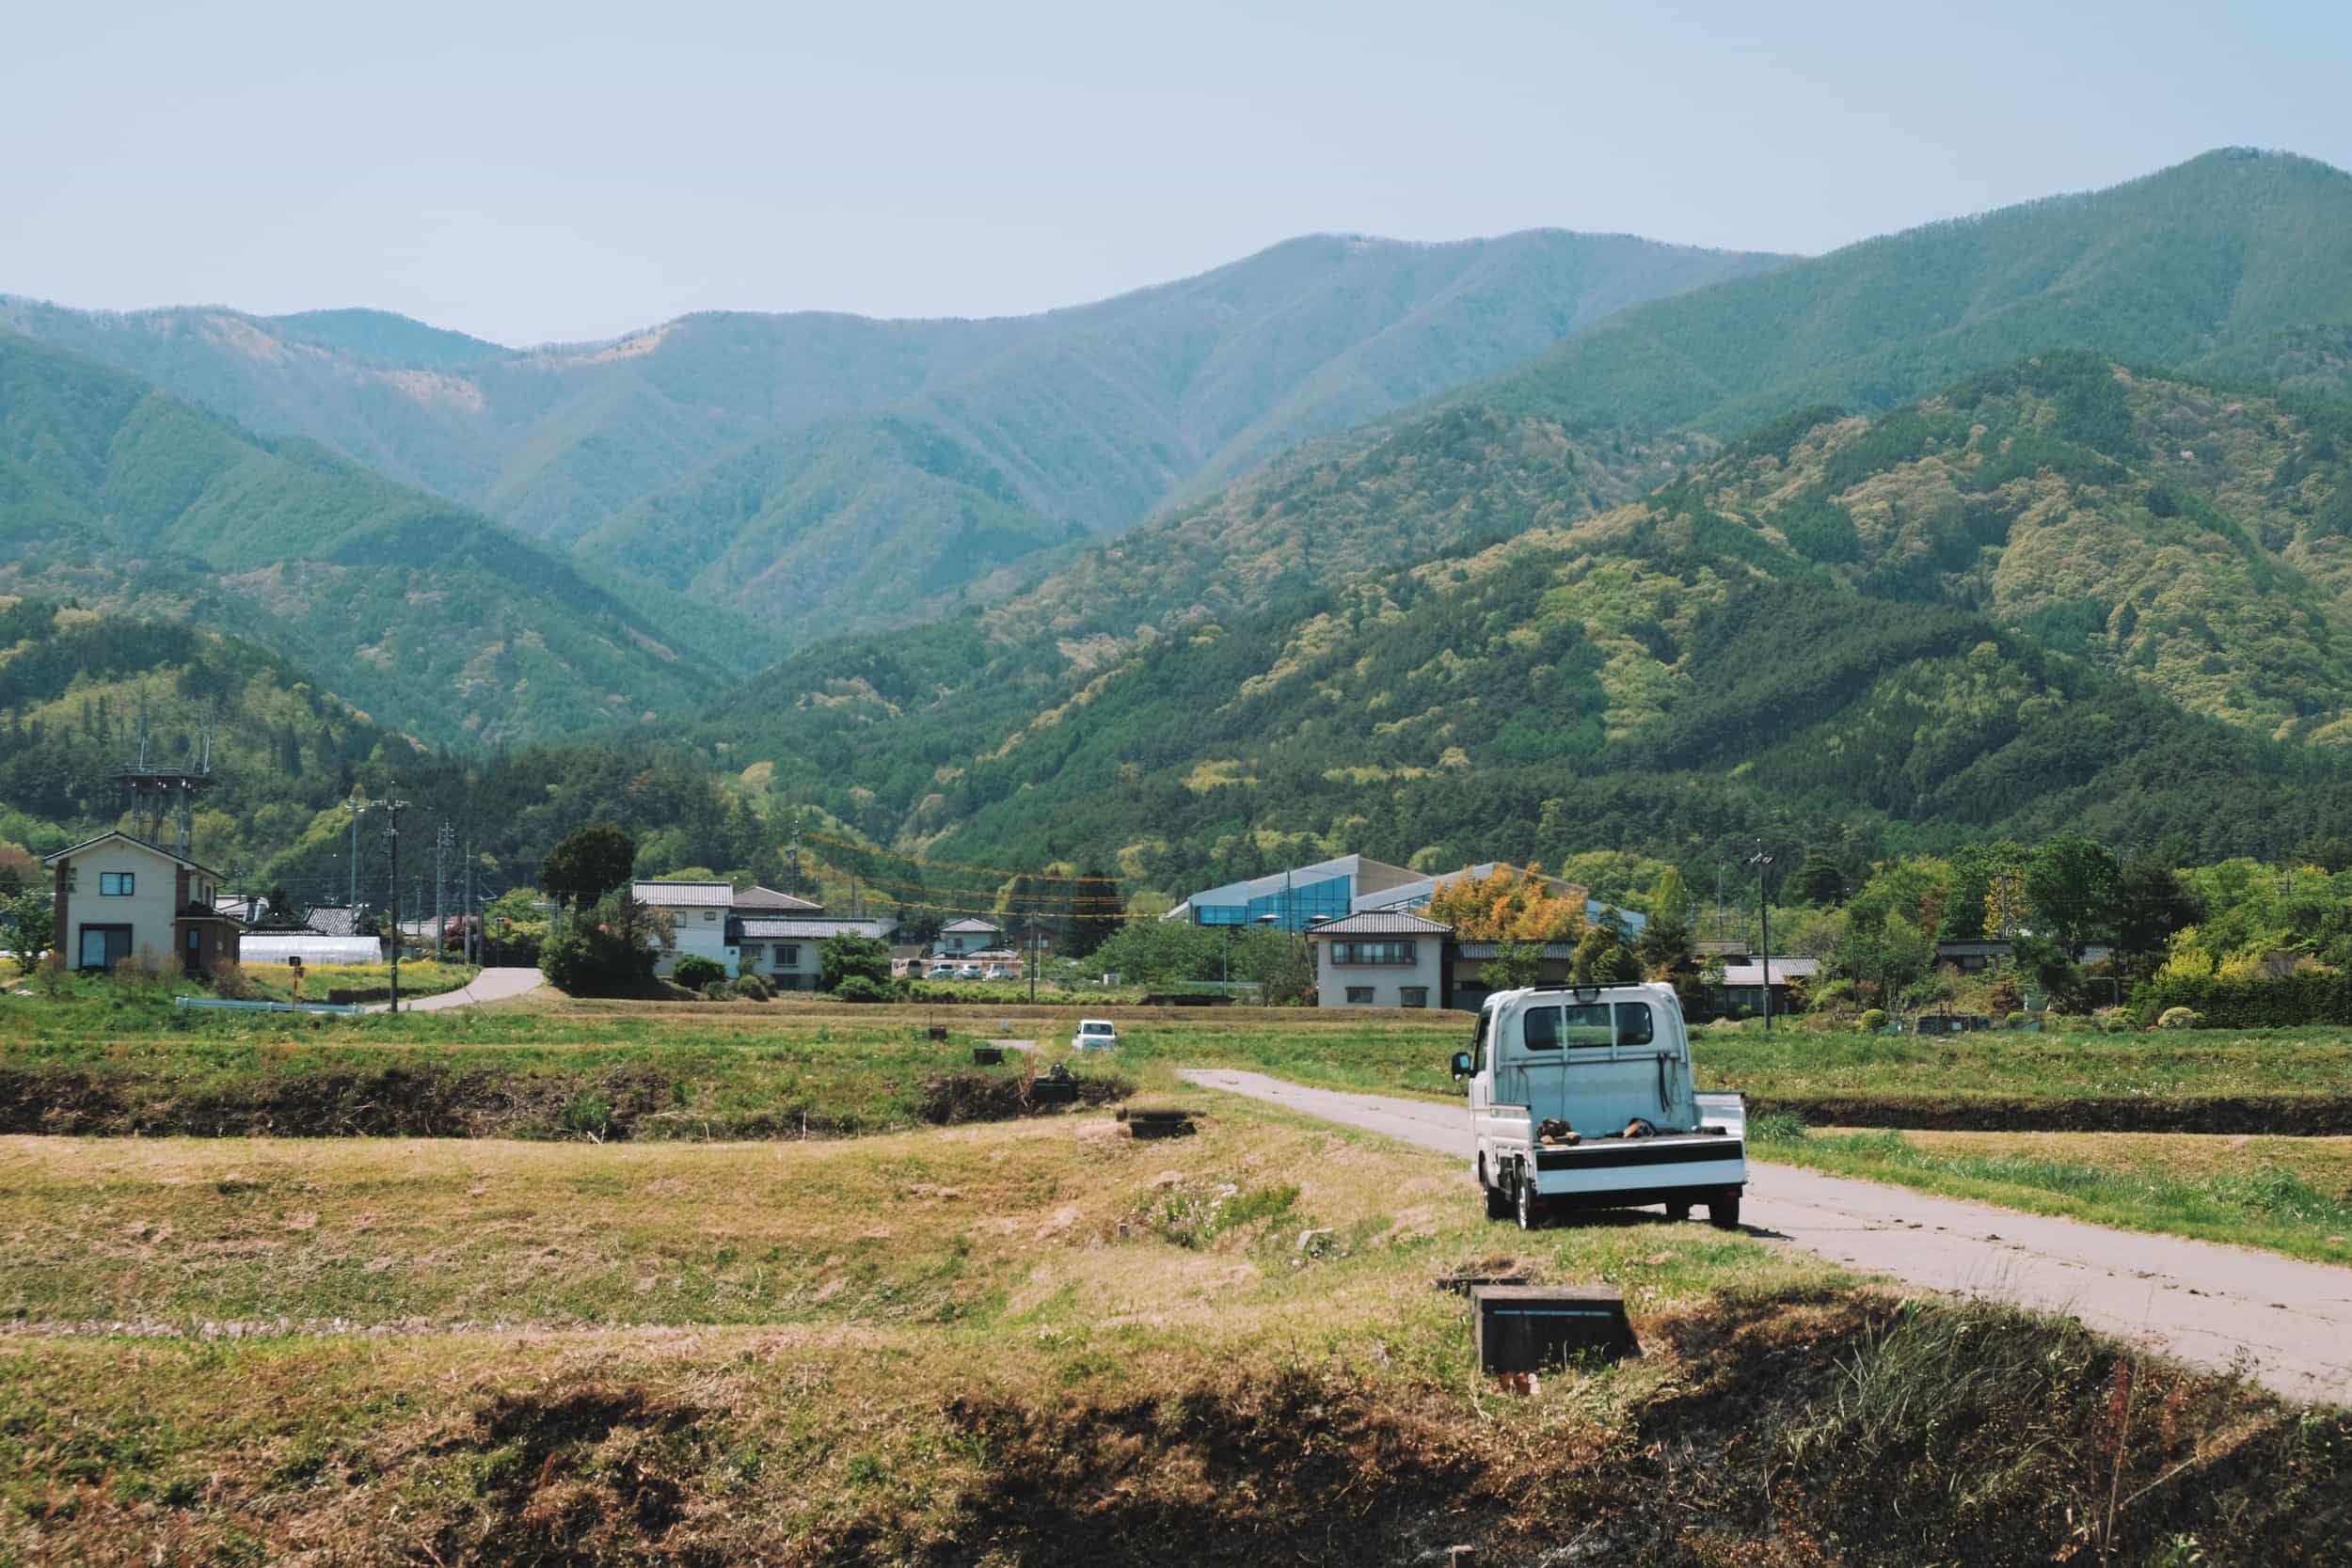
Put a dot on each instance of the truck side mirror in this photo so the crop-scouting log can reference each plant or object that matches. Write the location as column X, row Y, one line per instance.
column 1461, row 1063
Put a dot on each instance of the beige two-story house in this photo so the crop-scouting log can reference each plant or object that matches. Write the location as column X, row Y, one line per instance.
column 121, row 897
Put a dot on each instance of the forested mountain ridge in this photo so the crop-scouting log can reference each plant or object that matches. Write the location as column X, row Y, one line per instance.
column 429, row 617
column 734, row 456
column 1580, row 429
column 2062, row 592
column 78, row 685
column 2236, row 264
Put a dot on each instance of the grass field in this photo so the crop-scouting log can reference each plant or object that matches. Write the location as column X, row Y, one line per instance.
column 418, row 980
column 2289, row 1194
column 1027, row 1343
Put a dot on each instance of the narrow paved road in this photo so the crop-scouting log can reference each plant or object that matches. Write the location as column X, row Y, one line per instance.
column 2203, row 1303
column 490, row 985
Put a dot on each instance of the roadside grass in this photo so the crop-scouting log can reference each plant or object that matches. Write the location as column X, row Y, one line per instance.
column 418, row 980
column 442, row 1075
column 1033, row 1343
column 980, row 1225
column 2288, row 1195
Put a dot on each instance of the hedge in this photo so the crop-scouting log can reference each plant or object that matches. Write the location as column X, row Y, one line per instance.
column 2306, row 996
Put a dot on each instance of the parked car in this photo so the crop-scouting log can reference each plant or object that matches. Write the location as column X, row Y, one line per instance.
column 967, row 971
column 1095, row 1034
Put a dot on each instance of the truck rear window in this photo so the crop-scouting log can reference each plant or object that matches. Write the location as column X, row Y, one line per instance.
column 1584, row 1023
column 1633, row 1023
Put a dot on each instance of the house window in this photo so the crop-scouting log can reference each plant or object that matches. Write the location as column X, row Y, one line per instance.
column 752, row 951
column 104, row 946
column 787, row 955
column 1359, row 996
column 118, row 884
column 1412, row 996
column 1372, row 953
column 710, row 915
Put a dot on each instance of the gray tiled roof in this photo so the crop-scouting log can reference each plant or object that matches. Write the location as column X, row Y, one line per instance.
column 766, row 898
column 1380, row 923
column 679, row 896
column 786, row 930
column 970, row 923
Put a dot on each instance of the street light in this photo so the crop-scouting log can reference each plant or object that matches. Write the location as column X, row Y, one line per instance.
column 1762, row 862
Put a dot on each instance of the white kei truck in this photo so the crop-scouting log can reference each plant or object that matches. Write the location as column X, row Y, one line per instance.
column 1581, row 1098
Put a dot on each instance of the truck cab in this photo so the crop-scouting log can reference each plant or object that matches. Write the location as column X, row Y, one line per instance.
column 1581, row 1097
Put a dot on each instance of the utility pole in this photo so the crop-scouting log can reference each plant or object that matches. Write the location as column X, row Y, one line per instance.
column 355, row 813
column 394, row 807
column 442, row 843
column 1762, row 862
column 470, row 938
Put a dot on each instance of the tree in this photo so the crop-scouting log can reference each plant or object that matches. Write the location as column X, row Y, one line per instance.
column 1665, row 942
column 1890, row 953
column 1159, row 952
column 2071, row 883
column 1509, row 903
column 1515, row 964
column 612, row 950
column 1095, row 914
column 2150, row 905
column 590, row 862
column 1819, row 880
column 849, row 956
column 25, row 920
column 1602, row 958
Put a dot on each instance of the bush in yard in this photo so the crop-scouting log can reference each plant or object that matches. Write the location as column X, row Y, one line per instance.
column 2115, row 1021
column 607, row 950
column 864, row 988
column 753, row 988
column 230, row 983
column 696, row 973
column 847, row 957
column 2180, row 1018
column 1872, row 1020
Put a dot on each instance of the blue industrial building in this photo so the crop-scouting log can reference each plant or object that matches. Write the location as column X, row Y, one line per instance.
column 1294, row 899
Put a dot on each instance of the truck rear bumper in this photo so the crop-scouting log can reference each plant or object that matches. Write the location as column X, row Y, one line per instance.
column 1641, row 1170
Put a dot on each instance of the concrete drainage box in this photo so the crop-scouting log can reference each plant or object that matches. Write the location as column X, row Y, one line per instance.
column 1527, row 1328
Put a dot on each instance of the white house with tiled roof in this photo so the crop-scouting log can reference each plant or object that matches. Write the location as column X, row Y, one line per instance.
column 1379, row 958
column 698, row 915
column 968, row 937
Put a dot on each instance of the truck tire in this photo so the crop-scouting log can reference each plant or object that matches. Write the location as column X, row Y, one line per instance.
column 1723, row 1213
column 1678, row 1212
column 1530, row 1208
column 1498, row 1201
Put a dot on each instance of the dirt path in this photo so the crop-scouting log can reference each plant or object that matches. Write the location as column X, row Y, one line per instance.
column 2206, row 1304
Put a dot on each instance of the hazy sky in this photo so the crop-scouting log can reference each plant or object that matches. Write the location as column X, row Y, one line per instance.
column 531, row 172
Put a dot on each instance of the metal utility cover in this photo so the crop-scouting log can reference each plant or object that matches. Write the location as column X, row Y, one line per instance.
column 1527, row 1328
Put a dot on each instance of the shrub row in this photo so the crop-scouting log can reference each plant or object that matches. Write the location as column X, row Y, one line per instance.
column 2307, row 996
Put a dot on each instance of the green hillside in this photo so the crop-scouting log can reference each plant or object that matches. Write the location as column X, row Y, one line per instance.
column 2237, row 263
column 773, row 450
column 430, row 618
column 76, row 686
column 2062, row 594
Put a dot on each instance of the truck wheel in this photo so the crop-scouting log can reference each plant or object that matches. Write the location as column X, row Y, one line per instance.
column 1723, row 1213
column 1530, row 1212
column 1498, row 1201
column 1677, row 1211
